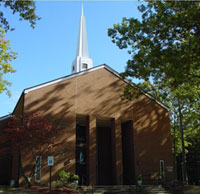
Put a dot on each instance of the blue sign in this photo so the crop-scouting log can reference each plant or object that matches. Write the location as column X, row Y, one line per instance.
column 50, row 160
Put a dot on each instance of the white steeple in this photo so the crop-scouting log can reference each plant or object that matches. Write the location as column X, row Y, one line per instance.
column 82, row 60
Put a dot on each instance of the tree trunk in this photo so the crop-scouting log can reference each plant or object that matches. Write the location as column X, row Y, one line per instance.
column 174, row 142
column 22, row 171
column 184, row 171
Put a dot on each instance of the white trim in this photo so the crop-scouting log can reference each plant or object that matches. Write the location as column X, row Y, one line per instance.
column 146, row 94
column 26, row 91
column 162, row 171
column 157, row 101
column 5, row 117
column 36, row 171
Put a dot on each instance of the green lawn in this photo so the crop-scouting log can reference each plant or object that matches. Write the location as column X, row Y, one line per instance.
column 37, row 190
column 7, row 190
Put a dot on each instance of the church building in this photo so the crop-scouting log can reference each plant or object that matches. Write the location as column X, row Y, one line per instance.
column 105, row 140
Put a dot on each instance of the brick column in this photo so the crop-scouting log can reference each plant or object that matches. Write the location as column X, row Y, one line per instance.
column 113, row 143
column 71, row 143
column 118, row 148
column 92, row 150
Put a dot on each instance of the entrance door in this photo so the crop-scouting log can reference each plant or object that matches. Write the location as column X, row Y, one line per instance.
column 5, row 169
column 128, row 153
column 82, row 149
column 104, row 155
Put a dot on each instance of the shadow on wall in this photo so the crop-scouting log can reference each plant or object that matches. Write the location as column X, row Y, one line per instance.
column 61, row 102
column 152, row 138
column 53, row 106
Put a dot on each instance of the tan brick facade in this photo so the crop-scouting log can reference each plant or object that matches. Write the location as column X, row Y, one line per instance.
column 96, row 94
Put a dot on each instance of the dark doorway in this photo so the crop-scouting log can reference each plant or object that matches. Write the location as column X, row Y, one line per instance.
column 104, row 152
column 5, row 169
column 128, row 153
column 82, row 149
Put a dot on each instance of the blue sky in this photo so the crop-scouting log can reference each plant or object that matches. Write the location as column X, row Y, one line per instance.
column 47, row 52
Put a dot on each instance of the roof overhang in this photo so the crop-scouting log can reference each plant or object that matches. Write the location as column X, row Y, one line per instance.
column 27, row 90
column 64, row 78
column 5, row 117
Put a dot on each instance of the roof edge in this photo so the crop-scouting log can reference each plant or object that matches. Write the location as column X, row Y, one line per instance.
column 27, row 90
column 5, row 117
column 134, row 85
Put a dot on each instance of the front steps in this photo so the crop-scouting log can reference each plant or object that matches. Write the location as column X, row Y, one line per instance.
column 124, row 189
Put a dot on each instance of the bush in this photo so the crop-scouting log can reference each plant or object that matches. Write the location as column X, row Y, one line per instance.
column 57, row 183
column 139, row 177
column 66, row 177
column 74, row 178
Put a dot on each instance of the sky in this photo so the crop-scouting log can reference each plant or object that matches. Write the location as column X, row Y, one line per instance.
column 47, row 52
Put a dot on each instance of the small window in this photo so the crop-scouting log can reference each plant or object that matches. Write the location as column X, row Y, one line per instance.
column 162, row 169
column 73, row 68
column 85, row 66
column 38, row 164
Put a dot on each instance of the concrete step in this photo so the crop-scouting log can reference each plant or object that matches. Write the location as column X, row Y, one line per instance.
column 191, row 189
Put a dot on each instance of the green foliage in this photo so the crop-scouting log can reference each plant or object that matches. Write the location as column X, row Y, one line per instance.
column 64, row 176
column 190, row 108
column 165, row 55
column 6, row 56
column 139, row 177
column 25, row 9
column 165, row 44
column 67, row 177
column 74, row 177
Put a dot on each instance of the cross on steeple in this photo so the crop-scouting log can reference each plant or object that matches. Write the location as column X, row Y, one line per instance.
column 82, row 60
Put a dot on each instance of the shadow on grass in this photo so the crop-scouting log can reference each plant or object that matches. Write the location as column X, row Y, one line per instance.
column 36, row 190
column 7, row 190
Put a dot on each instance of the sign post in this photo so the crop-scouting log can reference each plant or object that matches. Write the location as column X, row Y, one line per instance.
column 50, row 164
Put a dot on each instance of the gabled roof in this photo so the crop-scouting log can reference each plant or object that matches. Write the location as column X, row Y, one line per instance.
column 5, row 117
column 27, row 90
column 88, row 71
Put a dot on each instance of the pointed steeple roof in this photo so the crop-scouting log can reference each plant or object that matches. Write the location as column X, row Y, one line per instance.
column 82, row 48
column 82, row 60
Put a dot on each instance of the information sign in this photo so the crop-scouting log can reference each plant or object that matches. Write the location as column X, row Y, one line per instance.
column 50, row 160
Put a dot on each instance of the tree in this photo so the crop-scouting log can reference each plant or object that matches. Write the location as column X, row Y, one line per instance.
column 165, row 50
column 165, row 44
column 26, row 11
column 184, row 115
column 6, row 56
column 33, row 132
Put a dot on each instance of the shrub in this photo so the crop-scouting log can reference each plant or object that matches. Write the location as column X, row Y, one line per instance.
column 66, row 177
column 139, row 177
column 74, row 178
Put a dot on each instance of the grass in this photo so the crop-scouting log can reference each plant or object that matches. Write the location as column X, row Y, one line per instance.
column 45, row 190
column 36, row 190
column 7, row 190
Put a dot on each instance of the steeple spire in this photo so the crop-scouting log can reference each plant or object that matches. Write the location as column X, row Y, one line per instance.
column 82, row 60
